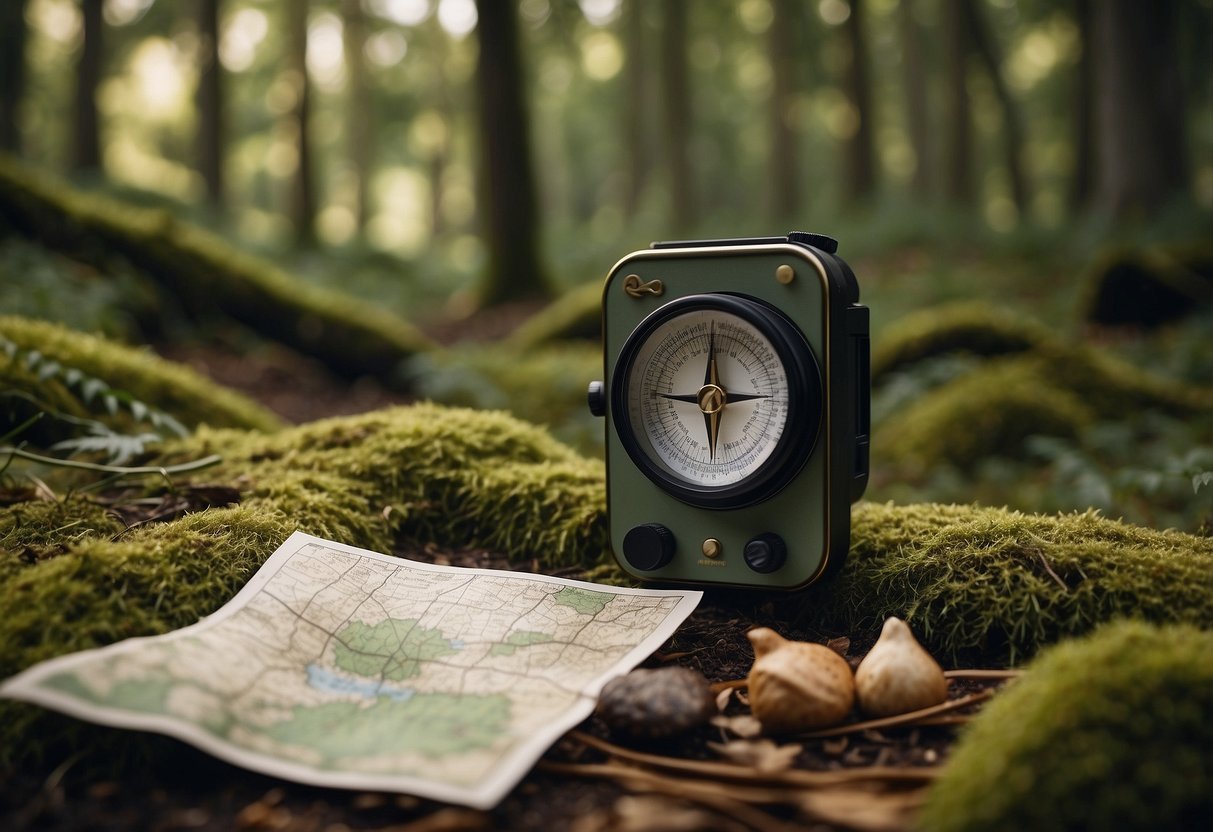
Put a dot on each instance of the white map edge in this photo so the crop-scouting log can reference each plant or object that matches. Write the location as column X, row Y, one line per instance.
column 485, row 795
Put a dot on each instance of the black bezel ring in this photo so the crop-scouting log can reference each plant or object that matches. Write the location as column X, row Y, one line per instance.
column 804, row 415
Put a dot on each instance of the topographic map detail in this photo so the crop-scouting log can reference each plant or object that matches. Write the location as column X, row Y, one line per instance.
column 342, row 667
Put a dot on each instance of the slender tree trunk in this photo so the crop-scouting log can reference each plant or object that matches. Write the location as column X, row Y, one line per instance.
column 918, row 116
column 86, row 132
column 785, row 164
column 860, row 156
column 507, row 183
column 1139, row 105
column 635, row 108
column 1013, row 129
column 210, row 102
column 1083, row 108
column 676, row 108
column 359, row 108
column 958, row 174
column 303, row 191
column 12, row 72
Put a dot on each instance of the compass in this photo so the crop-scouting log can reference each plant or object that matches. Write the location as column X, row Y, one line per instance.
column 736, row 397
column 717, row 399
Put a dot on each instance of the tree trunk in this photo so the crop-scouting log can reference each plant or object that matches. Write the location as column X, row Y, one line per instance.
column 303, row 188
column 1140, row 150
column 676, row 109
column 918, row 116
column 1083, row 107
column 86, row 132
column 636, row 112
column 509, row 209
column 360, row 106
column 785, row 167
column 210, row 102
column 958, row 175
column 860, row 156
column 12, row 72
column 1013, row 131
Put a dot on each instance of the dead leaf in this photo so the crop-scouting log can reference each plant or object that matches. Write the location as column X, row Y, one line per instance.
column 836, row 746
column 722, row 699
column 743, row 725
column 647, row 813
column 839, row 645
column 763, row 755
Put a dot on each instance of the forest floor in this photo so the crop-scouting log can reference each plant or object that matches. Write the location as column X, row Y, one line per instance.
column 577, row 785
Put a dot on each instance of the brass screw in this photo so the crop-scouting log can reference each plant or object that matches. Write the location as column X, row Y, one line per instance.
column 712, row 548
column 785, row 274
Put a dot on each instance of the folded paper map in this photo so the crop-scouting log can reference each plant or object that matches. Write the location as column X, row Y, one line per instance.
column 341, row 667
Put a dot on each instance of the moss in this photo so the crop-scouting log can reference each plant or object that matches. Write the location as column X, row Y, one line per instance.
column 1053, row 390
column 36, row 530
column 995, row 585
column 973, row 328
column 1148, row 287
column 1114, row 731
column 179, row 391
column 207, row 274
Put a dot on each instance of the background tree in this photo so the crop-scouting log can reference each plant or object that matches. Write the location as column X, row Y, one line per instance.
column 958, row 138
column 210, row 101
column 359, row 107
column 916, row 101
column 1082, row 137
column 509, row 210
column 1139, row 107
column 677, row 113
column 785, row 162
column 635, row 105
column 86, row 131
column 859, row 153
column 303, row 183
column 12, row 72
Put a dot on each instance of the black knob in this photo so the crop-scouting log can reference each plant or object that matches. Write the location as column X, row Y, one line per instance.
column 821, row 241
column 596, row 397
column 649, row 547
column 765, row 553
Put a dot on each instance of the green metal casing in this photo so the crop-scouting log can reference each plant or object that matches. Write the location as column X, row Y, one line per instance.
column 812, row 513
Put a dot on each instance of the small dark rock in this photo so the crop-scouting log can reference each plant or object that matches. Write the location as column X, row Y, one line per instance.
column 654, row 704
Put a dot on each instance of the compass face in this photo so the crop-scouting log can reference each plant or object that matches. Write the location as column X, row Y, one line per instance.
column 717, row 399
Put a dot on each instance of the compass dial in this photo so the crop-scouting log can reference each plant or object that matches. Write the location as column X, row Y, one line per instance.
column 717, row 399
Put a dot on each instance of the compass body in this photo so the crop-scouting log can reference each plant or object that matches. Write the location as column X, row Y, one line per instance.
column 735, row 397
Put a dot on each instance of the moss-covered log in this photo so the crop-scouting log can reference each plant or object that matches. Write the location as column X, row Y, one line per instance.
column 1036, row 384
column 969, row 328
column 175, row 389
column 1111, row 732
column 1148, row 287
column 577, row 314
column 207, row 274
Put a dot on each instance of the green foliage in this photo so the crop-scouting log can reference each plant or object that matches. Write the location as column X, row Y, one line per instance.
column 1110, row 732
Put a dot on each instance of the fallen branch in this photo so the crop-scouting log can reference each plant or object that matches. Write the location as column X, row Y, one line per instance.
column 910, row 718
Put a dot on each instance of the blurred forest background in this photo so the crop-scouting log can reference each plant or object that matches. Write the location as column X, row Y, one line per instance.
column 462, row 164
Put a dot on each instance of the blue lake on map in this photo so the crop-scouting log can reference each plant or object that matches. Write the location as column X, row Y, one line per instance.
column 326, row 680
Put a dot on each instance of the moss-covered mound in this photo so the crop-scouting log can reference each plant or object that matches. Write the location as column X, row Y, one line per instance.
column 1148, row 287
column 207, row 274
column 1111, row 732
column 970, row 328
column 1047, row 387
column 55, row 367
column 998, row 585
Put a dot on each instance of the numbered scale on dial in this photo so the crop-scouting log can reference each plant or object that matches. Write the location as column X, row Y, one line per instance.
column 717, row 399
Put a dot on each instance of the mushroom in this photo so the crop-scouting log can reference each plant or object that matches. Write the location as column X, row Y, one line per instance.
column 898, row 675
column 797, row 686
